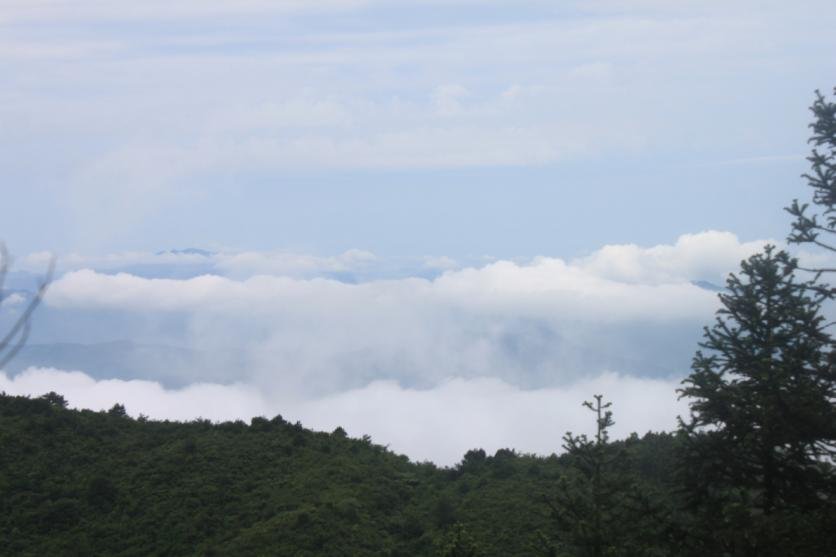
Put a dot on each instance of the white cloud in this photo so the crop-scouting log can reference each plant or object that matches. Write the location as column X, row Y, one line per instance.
column 23, row 51
column 12, row 300
column 279, row 116
column 74, row 261
column 541, row 323
column 438, row 424
column 656, row 286
column 291, row 264
column 593, row 72
column 448, row 98
column 442, row 423
column 494, row 356
column 37, row 261
column 52, row 10
column 211, row 401
column 708, row 255
column 240, row 103
column 443, row 263
column 301, row 104
column 223, row 262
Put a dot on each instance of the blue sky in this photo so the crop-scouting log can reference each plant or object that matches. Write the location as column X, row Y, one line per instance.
column 426, row 207
column 413, row 127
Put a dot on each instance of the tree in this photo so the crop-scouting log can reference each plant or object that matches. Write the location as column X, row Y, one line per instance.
column 118, row 411
column 811, row 226
column 757, row 463
column 587, row 502
column 54, row 399
column 458, row 543
column 598, row 508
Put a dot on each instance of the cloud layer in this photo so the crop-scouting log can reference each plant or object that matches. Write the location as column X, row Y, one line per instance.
column 532, row 324
column 438, row 424
column 492, row 355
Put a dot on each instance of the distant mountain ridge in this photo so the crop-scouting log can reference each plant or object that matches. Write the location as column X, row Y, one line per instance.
column 187, row 251
column 172, row 366
column 707, row 285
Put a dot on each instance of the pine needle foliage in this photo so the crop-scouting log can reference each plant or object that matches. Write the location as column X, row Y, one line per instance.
column 759, row 444
column 817, row 225
column 598, row 508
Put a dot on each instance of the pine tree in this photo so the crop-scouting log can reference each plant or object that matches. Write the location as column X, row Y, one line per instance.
column 817, row 225
column 757, row 463
column 598, row 507
column 585, row 501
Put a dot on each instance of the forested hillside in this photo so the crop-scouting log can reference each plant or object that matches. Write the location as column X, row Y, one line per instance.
column 102, row 483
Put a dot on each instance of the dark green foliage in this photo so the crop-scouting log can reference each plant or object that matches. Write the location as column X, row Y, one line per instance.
column 444, row 512
column 458, row 543
column 118, row 411
column 101, row 483
column 55, row 399
column 600, row 506
column 810, row 227
column 473, row 460
column 757, row 452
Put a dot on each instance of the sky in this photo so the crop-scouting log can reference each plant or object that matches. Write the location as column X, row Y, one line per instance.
column 442, row 223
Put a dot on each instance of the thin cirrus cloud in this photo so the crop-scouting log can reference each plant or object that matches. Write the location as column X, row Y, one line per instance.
column 273, row 89
column 157, row 115
column 156, row 10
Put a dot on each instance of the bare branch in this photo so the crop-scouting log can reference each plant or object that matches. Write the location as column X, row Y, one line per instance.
column 27, row 327
column 4, row 267
column 823, row 245
column 18, row 334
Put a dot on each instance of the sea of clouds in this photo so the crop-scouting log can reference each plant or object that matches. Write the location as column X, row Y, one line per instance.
column 499, row 354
